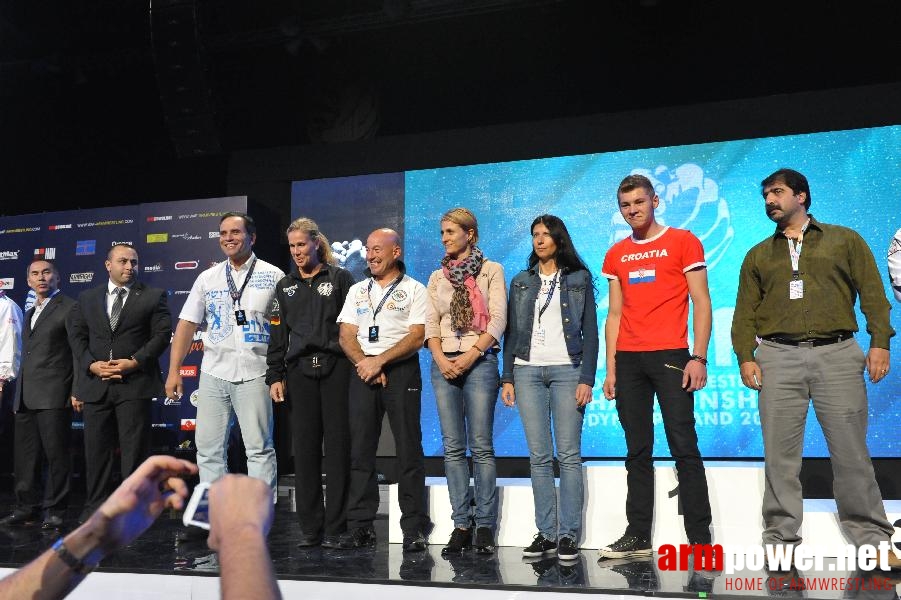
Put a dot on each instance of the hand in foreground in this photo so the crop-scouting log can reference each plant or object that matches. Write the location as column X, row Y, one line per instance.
column 239, row 504
column 508, row 395
column 583, row 394
column 751, row 375
column 139, row 500
column 610, row 385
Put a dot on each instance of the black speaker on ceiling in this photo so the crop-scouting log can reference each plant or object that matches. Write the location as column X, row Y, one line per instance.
column 182, row 75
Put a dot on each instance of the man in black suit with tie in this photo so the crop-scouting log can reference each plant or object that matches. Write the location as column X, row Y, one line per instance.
column 117, row 332
column 42, row 403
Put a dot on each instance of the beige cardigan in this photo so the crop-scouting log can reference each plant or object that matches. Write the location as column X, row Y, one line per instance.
column 438, row 320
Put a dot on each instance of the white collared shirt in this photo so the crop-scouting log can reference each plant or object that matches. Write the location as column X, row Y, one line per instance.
column 406, row 306
column 230, row 351
column 10, row 338
column 111, row 296
column 40, row 306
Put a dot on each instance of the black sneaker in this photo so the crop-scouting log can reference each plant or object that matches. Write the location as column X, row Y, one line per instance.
column 540, row 546
column 628, row 546
column 414, row 542
column 567, row 549
column 331, row 540
column 460, row 540
column 360, row 537
column 484, row 541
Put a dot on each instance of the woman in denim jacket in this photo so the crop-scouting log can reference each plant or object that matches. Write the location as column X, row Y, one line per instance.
column 465, row 319
column 550, row 359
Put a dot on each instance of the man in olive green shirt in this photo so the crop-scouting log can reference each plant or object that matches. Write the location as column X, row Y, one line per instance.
column 796, row 293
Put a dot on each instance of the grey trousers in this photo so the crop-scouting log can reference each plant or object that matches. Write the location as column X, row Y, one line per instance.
column 832, row 376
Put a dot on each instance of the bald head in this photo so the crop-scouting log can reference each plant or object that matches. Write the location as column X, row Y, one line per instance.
column 382, row 253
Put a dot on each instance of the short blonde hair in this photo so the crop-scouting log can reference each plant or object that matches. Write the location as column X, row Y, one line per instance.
column 465, row 219
column 310, row 227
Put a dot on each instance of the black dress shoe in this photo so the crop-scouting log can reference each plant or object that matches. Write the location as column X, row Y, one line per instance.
column 20, row 517
column 331, row 540
column 52, row 522
column 308, row 540
column 414, row 542
column 361, row 537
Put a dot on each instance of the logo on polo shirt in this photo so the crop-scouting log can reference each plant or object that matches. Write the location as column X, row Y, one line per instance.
column 325, row 288
column 290, row 290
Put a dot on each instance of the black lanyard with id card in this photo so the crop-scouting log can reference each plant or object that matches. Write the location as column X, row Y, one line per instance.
column 796, row 285
column 235, row 293
column 374, row 329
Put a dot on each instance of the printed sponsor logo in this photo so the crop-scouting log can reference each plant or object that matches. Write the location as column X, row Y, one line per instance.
column 9, row 255
column 85, row 247
column 154, row 219
column 171, row 402
column 184, row 236
column 157, row 238
column 186, row 264
column 214, row 234
column 128, row 243
column 25, row 230
column 188, row 371
column 58, row 227
column 196, row 346
column 163, row 426
column 181, row 292
column 157, row 268
column 7, row 283
column 194, row 397
column 45, row 253
column 81, row 277
column 188, row 424
column 105, row 223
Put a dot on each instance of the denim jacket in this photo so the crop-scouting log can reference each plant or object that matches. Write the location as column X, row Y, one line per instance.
column 580, row 321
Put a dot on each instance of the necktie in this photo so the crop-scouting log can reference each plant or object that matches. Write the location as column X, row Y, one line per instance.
column 116, row 312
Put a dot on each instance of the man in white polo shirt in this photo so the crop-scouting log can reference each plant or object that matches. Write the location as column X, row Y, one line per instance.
column 382, row 330
column 232, row 303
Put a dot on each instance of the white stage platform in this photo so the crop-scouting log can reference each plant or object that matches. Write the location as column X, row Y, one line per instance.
column 736, row 492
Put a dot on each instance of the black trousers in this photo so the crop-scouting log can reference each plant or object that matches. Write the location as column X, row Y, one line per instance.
column 111, row 424
column 39, row 433
column 368, row 405
column 639, row 375
column 319, row 413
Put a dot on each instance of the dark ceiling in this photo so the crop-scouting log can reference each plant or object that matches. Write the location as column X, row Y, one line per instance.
column 97, row 107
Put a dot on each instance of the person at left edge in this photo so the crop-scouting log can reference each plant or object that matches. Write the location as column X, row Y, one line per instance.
column 10, row 353
column 42, row 407
column 305, row 360
column 117, row 332
column 894, row 264
column 233, row 301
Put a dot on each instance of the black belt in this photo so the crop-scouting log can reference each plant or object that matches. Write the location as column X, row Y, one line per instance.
column 492, row 350
column 810, row 342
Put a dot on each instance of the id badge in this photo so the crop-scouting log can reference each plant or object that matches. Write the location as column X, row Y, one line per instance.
column 795, row 289
column 539, row 336
column 374, row 333
column 240, row 317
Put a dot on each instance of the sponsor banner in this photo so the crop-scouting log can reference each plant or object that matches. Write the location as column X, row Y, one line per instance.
column 155, row 219
column 163, row 426
column 184, row 236
column 188, row 424
column 157, row 268
column 214, row 235
column 81, row 277
column 188, row 371
column 183, row 265
column 59, row 227
column 7, row 283
column 45, row 253
column 157, row 238
column 23, row 230
column 9, row 255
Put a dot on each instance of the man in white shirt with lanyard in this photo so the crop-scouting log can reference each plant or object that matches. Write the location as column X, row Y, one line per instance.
column 233, row 302
column 382, row 330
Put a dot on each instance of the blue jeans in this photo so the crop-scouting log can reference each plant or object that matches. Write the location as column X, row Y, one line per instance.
column 546, row 396
column 249, row 401
column 466, row 410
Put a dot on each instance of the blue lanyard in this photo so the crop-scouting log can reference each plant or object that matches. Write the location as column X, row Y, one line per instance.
column 385, row 297
column 550, row 295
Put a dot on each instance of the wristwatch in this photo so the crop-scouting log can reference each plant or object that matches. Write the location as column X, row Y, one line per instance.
column 480, row 351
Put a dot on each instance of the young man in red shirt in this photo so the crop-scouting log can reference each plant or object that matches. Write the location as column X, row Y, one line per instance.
column 652, row 274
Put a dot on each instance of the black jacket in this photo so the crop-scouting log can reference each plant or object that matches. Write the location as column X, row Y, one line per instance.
column 45, row 377
column 306, row 318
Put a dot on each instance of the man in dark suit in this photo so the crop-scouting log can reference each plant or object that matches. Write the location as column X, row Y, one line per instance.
column 42, row 403
column 117, row 332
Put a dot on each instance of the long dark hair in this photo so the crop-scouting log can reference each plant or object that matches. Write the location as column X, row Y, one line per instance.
column 567, row 258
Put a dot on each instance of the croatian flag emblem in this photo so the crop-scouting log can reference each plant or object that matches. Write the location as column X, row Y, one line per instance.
column 643, row 274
